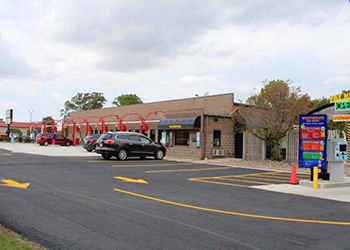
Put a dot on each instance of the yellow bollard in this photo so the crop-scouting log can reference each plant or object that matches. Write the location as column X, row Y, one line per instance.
column 315, row 177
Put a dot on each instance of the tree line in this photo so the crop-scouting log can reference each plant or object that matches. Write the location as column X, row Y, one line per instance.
column 95, row 100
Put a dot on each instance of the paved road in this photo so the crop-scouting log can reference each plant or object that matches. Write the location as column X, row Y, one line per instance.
column 76, row 203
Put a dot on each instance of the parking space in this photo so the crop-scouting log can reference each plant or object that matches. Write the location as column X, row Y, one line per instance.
column 197, row 206
column 252, row 179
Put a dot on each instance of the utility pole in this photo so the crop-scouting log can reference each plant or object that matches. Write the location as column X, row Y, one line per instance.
column 31, row 113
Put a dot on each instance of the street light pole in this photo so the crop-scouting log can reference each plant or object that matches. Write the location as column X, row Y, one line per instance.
column 31, row 113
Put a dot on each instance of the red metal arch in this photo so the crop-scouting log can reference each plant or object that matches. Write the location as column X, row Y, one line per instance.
column 145, row 125
column 75, row 127
column 52, row 123
column 62, row 121
column 154, row 113
column 122, row 126
column 105, row 127
column 88, row 125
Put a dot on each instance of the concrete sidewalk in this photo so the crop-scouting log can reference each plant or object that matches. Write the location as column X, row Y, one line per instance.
column 335, row 194
column 36, row 149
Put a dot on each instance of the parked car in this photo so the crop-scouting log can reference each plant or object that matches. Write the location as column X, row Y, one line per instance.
column 45, row 139
column 4, row 136
column 89, row 141
column 126, row 144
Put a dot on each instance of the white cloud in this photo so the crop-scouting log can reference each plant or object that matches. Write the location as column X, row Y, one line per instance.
column 338, row 80
column 170, row 49
column 197, row 79
column 55, row 95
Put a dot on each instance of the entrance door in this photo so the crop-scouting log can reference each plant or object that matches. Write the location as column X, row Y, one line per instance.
column 239, row 145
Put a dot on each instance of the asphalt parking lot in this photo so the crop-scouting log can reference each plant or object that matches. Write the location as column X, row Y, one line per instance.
column 90, row 203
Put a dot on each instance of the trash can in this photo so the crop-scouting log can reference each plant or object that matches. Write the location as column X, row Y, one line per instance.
column 77, row 141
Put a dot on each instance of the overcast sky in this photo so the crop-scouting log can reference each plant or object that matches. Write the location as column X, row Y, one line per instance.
column 167, row 49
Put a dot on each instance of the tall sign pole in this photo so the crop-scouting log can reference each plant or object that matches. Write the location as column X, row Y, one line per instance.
column 9, row 118
column 348, row 138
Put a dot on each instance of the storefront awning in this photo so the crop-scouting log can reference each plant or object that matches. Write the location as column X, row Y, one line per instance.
column 180, row 123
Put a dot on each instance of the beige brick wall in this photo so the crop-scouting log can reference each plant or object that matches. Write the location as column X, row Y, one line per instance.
column 226, row 126
column 216, row 104
column 186, row 152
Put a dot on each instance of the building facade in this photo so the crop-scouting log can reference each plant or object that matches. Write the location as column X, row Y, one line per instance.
column 193, row 128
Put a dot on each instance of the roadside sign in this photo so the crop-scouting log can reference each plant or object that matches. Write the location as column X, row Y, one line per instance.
column 341, row 118
column 9, row 116
column 312, row 141
column 342, row 106
column 340, row 97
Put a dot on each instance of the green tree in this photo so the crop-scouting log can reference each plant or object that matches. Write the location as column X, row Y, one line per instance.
column 47, row 118
column 127, row 99
column 272, row 112
column 83, row 101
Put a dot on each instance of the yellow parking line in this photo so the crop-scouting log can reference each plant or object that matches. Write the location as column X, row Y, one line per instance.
column 263, row 178
column 6, row 154
column 155, row 165
column 216, row 182
column 188, row 170
column 255, row 216
column 245, row 181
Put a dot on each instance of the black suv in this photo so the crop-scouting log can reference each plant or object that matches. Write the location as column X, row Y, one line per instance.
column 125, row 144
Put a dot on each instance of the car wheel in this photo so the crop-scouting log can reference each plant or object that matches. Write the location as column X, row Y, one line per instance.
column 159, row 154
column 143, row 157
column 122, row 154
column 106, row 156
column 46, row 143
column 68, row 143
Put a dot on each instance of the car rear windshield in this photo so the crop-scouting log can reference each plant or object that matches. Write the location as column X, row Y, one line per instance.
column 106, row 136
column 96, row 136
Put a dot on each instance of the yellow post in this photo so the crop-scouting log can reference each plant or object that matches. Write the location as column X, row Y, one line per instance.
column 315, row 177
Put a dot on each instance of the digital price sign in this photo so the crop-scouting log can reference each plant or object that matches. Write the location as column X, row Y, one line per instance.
column 312, row 141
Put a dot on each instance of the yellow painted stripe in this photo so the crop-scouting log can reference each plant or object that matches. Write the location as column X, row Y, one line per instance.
column 6, row 154
column 188, row 170
column 267, row 179
column 216, row 182
column 241, row 175
column 262, row 177
column 155, row 165
column 256, row 216
column 246, row 181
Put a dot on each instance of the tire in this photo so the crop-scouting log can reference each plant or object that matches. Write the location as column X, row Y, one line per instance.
column 106, row 156
column 159, row 154
column 143, row 157
column 46, row 143
column 122, row 154
column 68, row 143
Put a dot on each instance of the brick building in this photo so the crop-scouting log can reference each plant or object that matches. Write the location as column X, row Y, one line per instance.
column 197, row 128
column 19, row 126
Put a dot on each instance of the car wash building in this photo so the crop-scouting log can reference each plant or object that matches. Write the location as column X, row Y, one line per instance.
column 193, row 128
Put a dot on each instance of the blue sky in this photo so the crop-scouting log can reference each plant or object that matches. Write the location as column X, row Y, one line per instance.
column 50, row 50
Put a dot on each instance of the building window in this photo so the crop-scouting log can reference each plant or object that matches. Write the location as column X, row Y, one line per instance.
column 217, row 138
column 153, row 135
column 182, row 138
column 216, row 119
